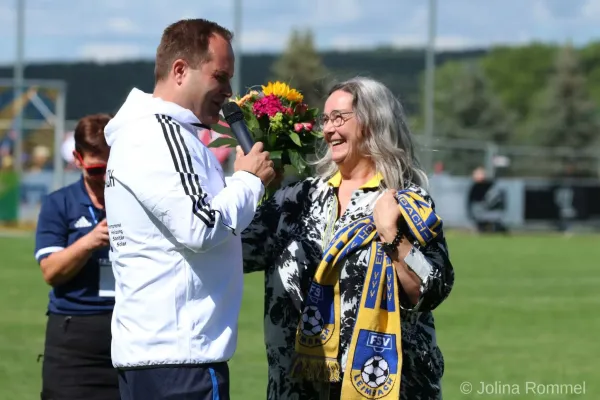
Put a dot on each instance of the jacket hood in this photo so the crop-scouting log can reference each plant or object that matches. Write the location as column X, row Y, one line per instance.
column 140, row 105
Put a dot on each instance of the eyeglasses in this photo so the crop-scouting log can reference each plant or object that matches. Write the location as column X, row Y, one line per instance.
column 92, row 169
column 336, row 117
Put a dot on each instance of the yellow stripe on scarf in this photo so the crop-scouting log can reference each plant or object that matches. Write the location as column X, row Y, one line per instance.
column 318, row 335
column 375, row 357
column 422, row 221
column 374, row 362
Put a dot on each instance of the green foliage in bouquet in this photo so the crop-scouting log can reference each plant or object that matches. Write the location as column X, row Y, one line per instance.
column 277, row 117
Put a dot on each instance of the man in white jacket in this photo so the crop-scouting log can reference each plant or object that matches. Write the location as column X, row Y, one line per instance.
column 174, row 224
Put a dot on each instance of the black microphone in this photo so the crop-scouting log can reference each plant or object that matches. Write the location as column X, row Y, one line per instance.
column 235, row 119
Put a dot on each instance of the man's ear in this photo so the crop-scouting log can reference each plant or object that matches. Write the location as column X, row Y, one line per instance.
column 179, row 70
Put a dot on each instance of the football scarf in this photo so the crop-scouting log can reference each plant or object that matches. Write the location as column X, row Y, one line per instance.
column 375, row 353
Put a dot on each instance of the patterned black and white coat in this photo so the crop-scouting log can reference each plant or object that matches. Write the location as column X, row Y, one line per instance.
column 285, row 241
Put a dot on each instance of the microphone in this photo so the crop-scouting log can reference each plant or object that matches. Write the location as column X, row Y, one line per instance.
column 235, row 119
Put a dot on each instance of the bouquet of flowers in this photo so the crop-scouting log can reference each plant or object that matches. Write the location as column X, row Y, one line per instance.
column 277, row 117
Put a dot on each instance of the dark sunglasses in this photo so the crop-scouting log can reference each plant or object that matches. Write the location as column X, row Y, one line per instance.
column 93, row 169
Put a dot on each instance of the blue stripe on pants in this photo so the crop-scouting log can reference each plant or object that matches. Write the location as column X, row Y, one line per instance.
column 213, row 377
column 197, row 382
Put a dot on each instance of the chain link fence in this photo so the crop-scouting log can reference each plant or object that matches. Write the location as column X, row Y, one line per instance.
column 459, row 157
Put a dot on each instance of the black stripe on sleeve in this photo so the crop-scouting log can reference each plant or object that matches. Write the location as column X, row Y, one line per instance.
column 183, row 165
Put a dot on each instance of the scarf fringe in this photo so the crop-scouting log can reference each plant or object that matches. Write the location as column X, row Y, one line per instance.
column 316, row 369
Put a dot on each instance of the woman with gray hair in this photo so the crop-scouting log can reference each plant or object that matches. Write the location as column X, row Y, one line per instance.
column 355, row 260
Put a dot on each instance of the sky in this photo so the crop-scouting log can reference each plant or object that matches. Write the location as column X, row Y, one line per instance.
column 115, row 30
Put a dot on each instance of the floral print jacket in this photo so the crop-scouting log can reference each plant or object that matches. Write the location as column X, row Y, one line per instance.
column 285, row 242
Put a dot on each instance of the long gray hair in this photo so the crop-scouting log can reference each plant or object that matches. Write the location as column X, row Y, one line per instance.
column 387, row 140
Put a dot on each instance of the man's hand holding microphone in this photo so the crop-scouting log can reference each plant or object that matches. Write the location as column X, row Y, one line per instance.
column 256, row 162
column 250, row 156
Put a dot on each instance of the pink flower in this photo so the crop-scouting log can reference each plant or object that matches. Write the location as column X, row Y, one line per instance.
column 298, row 127
column 308, row 126
column 268, row 105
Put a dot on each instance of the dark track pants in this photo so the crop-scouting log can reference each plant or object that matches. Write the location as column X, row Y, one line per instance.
column 197, row 382
column 77, row 363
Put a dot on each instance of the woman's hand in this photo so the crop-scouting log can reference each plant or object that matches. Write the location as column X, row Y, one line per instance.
column 386, row 214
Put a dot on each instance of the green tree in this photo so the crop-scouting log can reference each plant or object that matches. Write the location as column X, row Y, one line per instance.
column 466, row 108
column 589, row 57
column 301, row 66
column 517, row 73
column 564, row 114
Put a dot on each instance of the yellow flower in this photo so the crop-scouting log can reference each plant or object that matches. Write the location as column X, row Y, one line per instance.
column 282, row 90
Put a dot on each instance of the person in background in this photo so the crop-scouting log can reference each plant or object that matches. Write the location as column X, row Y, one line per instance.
column 40, row 159
column 565, row 197
column 7, row 146
column 486, row 203
column 71, row 247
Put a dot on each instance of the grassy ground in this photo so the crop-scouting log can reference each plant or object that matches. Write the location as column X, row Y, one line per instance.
column 523, row 309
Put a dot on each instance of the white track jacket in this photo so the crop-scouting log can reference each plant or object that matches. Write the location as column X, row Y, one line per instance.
column 174, row 235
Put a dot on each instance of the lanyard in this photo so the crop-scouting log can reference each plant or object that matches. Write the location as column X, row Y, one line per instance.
column 93, row 215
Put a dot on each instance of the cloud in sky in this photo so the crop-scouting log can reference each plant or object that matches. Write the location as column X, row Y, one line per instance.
column 122, row 25
column 115, row 29
column 110, row 52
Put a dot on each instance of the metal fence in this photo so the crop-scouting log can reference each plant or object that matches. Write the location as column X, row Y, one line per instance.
column 455, row 157
column 459, row 157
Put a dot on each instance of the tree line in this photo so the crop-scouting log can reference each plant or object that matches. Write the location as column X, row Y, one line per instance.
column 536, row 95
column 539, row 95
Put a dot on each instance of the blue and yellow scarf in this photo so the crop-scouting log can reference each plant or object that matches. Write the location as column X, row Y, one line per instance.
column 375, row 354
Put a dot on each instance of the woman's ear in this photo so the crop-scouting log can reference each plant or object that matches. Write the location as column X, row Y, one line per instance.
column 76, row 159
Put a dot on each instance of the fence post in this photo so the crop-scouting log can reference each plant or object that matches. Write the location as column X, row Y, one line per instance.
column 491, row 150
column 59, row 135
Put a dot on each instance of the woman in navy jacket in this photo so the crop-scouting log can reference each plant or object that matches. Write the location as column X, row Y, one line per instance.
column 72, row 249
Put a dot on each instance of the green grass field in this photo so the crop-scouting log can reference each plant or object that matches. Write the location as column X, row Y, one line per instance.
column 523, row 309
